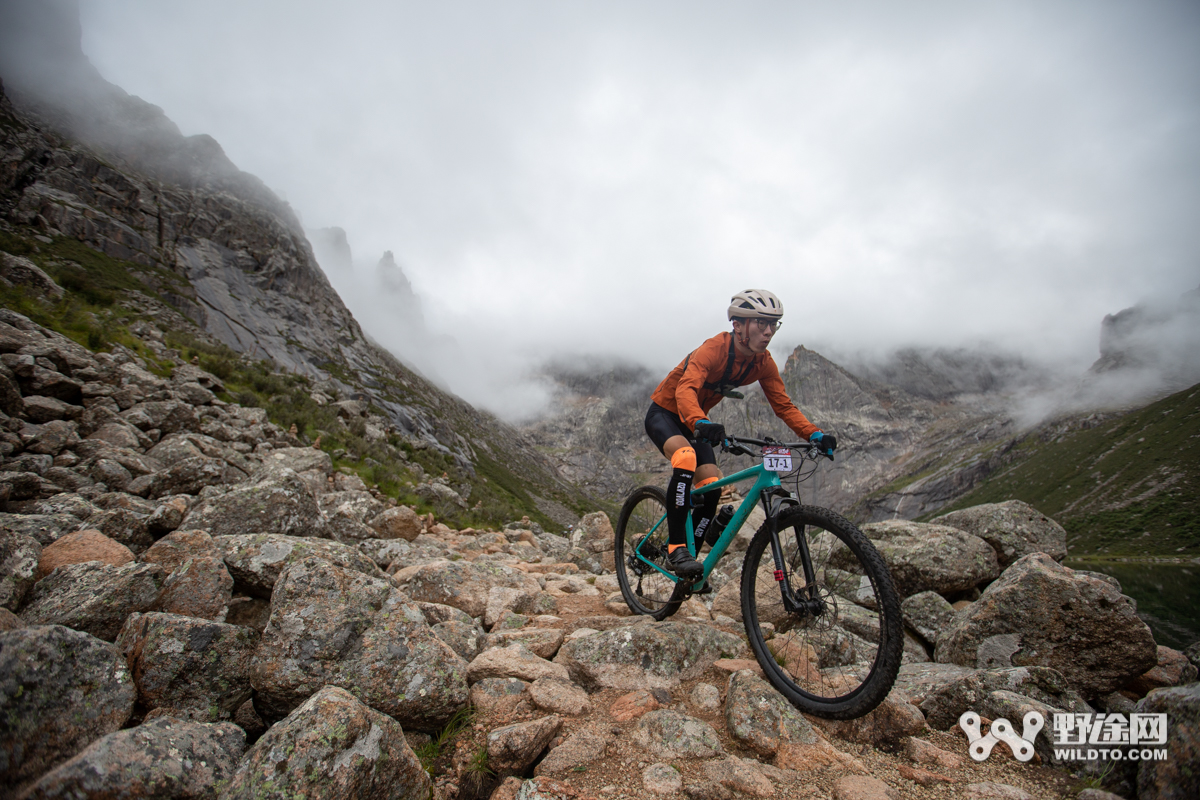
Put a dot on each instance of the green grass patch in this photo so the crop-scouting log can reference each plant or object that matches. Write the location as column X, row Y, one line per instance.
column 433, row 750
column 1127, row 486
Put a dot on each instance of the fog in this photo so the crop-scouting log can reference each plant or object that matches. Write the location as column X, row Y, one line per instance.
column 597, row 179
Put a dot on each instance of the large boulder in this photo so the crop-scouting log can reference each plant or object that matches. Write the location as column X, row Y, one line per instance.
column 668, row 734
column 1177, row 778
column 927, row 613
column 164, row 757
column 462, row 584
column 179, row 546
column 126, row 526
column 189, row 664
column 946, row 702
column 331, row 625
column 331, row 746
column 191, row 475
column 925, row 557
column 199, row 587
column 885, row 727
column 45, row 528
column 1173, row 669
column 512, row 749
column 360, row 505
column 94, row 597
column 297, row 459
column 60, row 690
column 758, row 716
column 646, row 656
column 81, row 546
column 1013, row 529
column 918, row 681
column 575, row 753
column 513, row 661
column 256, row 560
column 279, row 502
column 595, row 533
column 1040, row 613
column 400, row 522
column 166, row 416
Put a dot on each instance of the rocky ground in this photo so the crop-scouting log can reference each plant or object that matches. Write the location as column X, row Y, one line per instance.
column 194, row 605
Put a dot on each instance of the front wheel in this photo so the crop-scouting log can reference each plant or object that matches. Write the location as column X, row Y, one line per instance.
column 837, row 637
column 642, row 527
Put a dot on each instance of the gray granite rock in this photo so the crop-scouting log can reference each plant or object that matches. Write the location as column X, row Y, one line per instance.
column 668, row 734
column 1041, row 613
column 60, row 690
column 331, row 625
column 186, row 663
column 1013, row 529
column 654, row 656
column 280, row 503
column 928, row 613
column 331, row 746
column 163, row 757
column 256, row 560
column 924, row 557
column 94, row 597
column 757, row 716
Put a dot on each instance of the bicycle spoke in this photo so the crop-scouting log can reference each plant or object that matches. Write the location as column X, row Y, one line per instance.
column 826, row 644
column 642, row 531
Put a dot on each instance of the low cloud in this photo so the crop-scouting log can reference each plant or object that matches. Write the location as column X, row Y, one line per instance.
column 564, row 179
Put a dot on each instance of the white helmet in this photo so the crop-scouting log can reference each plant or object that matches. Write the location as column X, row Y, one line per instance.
column 755, row 304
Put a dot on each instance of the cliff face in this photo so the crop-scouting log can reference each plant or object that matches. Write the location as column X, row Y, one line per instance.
column 1156, row 337
column 82, row 160
column 140, row 191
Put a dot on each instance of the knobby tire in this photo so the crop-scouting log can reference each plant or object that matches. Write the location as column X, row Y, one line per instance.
column 839, row 663
column 661, row 596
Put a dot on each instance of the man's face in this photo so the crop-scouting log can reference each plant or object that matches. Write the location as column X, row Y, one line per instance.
column 758, row 332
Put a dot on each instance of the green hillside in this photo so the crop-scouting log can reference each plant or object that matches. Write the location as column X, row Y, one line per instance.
column 1130, row 486
column 504, row 480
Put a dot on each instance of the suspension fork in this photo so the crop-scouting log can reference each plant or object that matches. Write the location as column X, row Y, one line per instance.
column 791, row 603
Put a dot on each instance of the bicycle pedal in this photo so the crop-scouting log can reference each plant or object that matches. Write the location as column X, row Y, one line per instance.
column 705, row 589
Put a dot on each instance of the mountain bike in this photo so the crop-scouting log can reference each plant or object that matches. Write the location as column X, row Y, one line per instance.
column 810, row 580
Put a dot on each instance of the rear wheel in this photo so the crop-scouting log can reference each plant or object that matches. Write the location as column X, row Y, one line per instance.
column 838, row 638
column 642, row 527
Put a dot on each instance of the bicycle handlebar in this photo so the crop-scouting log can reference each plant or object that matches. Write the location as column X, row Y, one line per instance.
column 733, row 445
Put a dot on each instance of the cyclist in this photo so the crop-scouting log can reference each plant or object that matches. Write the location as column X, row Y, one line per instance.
column 678, row 423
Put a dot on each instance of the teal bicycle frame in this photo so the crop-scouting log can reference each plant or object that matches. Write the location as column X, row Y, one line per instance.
column 764, row 479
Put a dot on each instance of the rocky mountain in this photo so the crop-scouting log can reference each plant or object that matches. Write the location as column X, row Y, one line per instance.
column 185, row 594
column 918, row 430
column 102, row 191
column 884, row 432
column 1147, row 350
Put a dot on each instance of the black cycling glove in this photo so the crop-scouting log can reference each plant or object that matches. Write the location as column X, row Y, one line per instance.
column 712, row 432
column 827, row 441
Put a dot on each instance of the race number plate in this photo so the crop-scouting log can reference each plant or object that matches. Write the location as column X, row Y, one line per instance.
column 777, row 459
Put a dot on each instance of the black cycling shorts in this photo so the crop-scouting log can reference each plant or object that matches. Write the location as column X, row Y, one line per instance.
column 662, row 425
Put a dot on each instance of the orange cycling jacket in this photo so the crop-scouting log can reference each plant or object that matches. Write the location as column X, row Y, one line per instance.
column 683, row 391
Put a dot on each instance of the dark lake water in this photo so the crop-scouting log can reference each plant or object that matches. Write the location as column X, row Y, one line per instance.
column 1167, row 596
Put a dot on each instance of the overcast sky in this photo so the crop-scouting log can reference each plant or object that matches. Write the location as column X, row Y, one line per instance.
column 600, row 177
